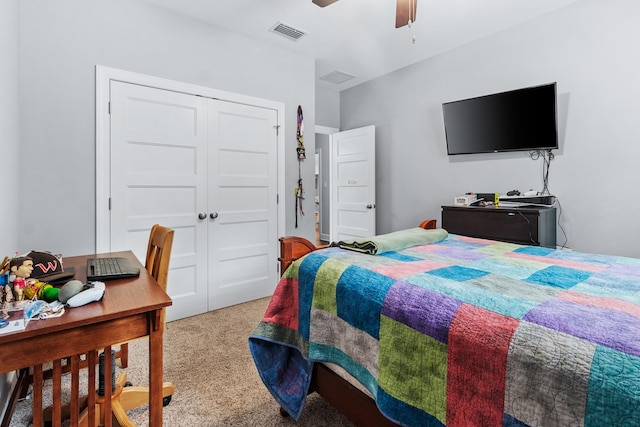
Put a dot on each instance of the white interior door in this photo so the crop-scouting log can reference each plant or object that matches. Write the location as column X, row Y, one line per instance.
column 159, row 175
column 353, row 184
column 242, row 203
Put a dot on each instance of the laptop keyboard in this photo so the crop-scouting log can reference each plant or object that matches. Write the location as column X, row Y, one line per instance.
column 110, row 268
column 106, row 267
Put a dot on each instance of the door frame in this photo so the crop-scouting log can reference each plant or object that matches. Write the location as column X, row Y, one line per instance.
column 319, row 180
column 104, row 76
column 326, row 130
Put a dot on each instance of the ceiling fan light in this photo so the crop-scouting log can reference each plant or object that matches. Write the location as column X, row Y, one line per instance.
column 323, row 3
column 405, row 12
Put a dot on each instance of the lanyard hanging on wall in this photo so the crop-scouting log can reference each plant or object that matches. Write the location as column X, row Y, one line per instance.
column 299, row 192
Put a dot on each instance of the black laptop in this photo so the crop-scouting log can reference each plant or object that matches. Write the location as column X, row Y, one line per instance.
column 101, row 269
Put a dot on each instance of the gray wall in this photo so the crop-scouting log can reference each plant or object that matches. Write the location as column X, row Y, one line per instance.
column 328, row 107
column 591, row 49
column 9, row 141
column 9, row 126
column 62, row 41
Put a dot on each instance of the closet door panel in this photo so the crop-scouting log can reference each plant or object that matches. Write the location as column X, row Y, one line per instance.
column 243, row 197
column 159, row 175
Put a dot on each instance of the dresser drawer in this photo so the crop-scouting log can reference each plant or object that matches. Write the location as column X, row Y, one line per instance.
column 530, row 226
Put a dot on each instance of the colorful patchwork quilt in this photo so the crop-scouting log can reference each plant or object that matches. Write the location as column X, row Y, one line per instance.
column 462, row 332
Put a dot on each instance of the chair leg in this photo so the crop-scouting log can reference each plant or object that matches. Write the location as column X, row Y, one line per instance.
column 133, row 397
column 47, row 414
column 123, row 355
column 119, row 415
column 123, row 399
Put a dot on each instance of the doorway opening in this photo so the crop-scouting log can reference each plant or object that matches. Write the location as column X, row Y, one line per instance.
column 323, row 184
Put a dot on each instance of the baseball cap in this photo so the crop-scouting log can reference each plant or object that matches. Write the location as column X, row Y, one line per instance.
column 48, row 267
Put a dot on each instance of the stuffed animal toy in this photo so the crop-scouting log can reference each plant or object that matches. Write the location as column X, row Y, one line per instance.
column 41, row 290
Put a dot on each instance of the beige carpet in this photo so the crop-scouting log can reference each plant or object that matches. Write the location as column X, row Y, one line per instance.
column 207, row 358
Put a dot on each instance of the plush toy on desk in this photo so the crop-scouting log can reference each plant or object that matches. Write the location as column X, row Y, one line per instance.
column 69, row 290
column 41, row 290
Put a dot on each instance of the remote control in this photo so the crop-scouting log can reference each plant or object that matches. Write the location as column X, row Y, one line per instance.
column 94, row 293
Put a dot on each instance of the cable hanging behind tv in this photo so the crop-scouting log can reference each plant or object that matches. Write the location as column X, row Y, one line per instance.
column 517, row 120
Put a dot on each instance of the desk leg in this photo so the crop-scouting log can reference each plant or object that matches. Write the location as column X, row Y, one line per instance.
column 56, row 386
column 75, row 389
column 37, row 395
column 108, row 386
column 155, row 369
column 92, row 359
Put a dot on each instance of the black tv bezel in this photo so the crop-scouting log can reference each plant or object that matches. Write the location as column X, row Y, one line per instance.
column 514, row 149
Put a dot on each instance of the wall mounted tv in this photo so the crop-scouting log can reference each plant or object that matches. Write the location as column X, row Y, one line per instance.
column 517, row 120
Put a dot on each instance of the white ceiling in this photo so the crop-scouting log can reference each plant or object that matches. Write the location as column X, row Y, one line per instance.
column 359, row 37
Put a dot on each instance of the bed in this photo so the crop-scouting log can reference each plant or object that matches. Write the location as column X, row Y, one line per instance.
column 458, row 331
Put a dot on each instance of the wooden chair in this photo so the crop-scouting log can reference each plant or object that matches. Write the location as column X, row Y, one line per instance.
column 126, row 397
column 157, row 265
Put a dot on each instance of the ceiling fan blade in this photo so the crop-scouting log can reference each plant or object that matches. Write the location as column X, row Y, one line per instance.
column 405, row 10
column 323, row 3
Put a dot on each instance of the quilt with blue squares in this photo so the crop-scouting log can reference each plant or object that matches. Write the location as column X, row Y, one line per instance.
column 462, row 332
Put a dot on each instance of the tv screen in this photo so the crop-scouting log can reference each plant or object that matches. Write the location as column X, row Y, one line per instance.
column 517, row 120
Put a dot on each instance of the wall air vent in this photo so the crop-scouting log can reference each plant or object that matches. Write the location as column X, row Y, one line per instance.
column 287, row 31
column 337, row 77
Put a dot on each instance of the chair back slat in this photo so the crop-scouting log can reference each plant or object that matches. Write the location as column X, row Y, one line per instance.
column 158, row 257
column 159, row 254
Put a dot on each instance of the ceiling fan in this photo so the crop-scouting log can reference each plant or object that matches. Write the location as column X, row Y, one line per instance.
column 405, row 10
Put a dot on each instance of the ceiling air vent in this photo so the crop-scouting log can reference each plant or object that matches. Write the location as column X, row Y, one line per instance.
column 337, row 77
column 287, row 31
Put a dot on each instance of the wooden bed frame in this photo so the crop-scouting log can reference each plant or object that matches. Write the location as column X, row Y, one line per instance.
column 358, row 407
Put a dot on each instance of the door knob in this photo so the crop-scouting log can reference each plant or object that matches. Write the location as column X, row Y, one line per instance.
column 213, row 215
column 202, row 215
column 370, row 206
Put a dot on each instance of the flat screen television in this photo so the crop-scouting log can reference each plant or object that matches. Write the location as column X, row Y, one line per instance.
column 517, row 120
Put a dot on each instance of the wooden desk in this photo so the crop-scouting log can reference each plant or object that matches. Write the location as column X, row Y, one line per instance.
column 129, row 309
